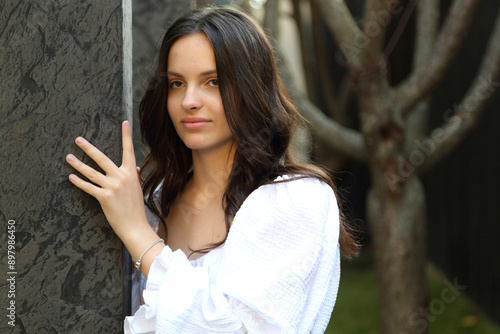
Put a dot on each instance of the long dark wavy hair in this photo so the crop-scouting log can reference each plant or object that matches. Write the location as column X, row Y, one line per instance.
column 259, row 113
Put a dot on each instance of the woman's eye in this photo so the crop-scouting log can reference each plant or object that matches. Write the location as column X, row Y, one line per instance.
column 214, row 82
column 175, row 84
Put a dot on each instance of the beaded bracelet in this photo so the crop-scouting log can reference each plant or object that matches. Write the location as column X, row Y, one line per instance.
column 138, row 263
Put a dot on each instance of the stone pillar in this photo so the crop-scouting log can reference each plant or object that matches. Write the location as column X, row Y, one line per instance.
column 151, row 19
column 65, row 71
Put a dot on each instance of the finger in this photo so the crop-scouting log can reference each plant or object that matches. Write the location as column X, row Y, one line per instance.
column 85, row 186
column 100, row 158
column 89, row 172
column 128, row 159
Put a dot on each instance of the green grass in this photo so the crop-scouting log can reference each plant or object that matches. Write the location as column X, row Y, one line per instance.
column 356, row 308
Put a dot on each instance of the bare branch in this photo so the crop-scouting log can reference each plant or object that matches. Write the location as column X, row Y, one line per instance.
column 376, row 19
column 427, row 28
column 342, row 139
column 343, row 99
column 323, row 61
column 336, row 106
column 446, row 138
column 271, row 17
column 417, row 123
column 307, row 50
column 344, row 29
column 423, row 80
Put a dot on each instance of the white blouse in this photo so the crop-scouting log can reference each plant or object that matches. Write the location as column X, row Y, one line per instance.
column 277, row 272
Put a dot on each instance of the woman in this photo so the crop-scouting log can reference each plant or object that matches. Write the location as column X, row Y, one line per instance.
column 236, row 236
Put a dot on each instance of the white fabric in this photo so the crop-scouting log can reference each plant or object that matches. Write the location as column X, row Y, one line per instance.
column 278, row 271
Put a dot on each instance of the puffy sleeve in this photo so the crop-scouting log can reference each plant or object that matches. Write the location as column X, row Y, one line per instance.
column 278, row 272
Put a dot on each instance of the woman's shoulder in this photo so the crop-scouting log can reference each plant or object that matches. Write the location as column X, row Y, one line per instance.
column 292, row 193
column 301, row 181
column 289, row 210
column 298, row 187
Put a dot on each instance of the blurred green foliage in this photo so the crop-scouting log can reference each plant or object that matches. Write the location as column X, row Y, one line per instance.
column 356, row 308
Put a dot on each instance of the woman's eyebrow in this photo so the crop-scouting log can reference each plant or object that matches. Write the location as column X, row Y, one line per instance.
column 203, row 74
column 207, row 73
column 174, row 74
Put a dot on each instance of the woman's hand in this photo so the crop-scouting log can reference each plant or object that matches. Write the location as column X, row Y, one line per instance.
column 120, row 194
column 119, row 191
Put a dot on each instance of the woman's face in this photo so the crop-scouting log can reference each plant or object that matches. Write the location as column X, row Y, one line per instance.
column 194, row 102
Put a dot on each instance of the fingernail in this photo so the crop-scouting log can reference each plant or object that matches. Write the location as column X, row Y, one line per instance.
column 72, row 177
column 70, row 157
column 126, row 124
column 79, row 140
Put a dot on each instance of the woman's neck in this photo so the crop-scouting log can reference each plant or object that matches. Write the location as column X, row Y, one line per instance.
column 211, row 170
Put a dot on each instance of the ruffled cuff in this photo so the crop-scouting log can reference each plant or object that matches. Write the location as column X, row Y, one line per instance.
column 144, row 320
column 139, row 323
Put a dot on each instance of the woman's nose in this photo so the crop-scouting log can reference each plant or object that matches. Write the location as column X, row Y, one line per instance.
column 192, row 99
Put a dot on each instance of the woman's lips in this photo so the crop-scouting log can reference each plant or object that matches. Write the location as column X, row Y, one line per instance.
column 194, row 123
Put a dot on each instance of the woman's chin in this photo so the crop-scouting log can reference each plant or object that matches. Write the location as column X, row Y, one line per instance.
column 205, row 147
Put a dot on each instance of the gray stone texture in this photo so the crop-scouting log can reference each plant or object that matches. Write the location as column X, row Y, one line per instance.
column 61, row 76
column 151, row 18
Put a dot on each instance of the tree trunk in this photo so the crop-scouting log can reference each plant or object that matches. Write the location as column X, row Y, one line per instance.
column 399, row 234
column 392, row 139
